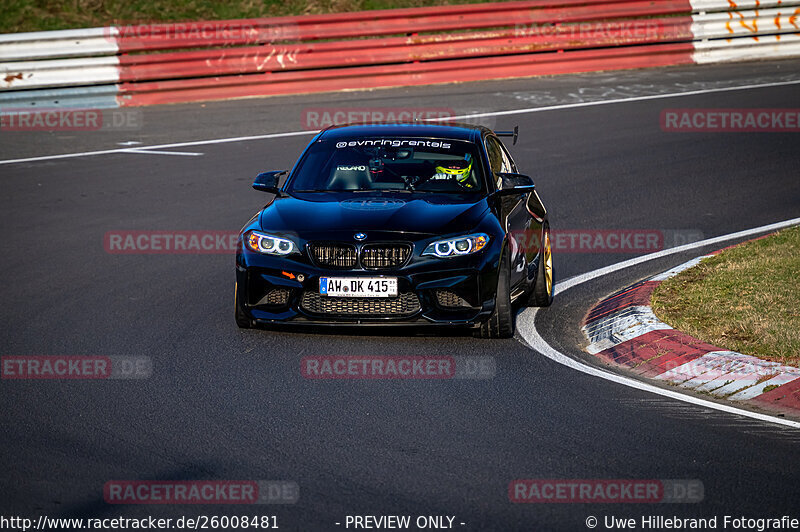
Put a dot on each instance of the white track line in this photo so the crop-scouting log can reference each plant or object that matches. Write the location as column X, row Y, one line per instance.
column 620, row 100
column 156, row 152
column 527, row 328
column 160, row 146
column 460, row 117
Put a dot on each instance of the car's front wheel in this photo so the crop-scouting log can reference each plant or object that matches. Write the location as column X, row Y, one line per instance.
column 241, row 318
column 501, row 323
column 542, row 293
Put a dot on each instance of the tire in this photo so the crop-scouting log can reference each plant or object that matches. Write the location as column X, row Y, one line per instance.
column 501, row 323
column 542, row 293
column 241, row 318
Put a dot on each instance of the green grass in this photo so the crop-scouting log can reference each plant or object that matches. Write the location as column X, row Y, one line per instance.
column 746, row 299
column 40, row 15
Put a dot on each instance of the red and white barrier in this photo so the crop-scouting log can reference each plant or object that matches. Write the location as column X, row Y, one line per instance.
column 415, row 46
column 623, row 330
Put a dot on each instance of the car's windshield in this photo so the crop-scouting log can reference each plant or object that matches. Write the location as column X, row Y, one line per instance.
column 400, row 164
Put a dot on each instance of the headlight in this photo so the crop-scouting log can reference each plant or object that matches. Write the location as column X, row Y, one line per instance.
column 268, row 244
column 454, row 247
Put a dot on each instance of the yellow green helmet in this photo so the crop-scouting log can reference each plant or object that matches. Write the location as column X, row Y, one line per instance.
column 460, row 169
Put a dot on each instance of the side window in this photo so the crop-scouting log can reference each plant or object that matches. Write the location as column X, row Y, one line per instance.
column 499, row 160
column 508, row 162
column 495, row 155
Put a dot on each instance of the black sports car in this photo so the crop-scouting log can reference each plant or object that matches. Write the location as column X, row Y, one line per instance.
column 401, row 224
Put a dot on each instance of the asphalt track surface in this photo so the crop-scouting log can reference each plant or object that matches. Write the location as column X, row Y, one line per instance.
column 229, row 404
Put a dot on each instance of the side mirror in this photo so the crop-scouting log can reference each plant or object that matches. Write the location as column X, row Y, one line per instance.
column 514, row 184
column 268, row 181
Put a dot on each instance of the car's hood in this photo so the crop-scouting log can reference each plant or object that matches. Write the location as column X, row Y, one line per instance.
column 426, row 214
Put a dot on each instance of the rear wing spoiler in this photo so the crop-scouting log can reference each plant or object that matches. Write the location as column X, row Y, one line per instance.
column 514, row 133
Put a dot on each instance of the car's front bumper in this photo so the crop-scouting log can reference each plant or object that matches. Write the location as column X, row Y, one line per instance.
column 454, row 292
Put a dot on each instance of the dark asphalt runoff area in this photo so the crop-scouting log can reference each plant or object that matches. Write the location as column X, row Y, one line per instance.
column 230, row 404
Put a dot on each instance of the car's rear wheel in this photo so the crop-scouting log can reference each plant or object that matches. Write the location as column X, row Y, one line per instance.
column 501, row 323
column 241, row 318
column 542, row 294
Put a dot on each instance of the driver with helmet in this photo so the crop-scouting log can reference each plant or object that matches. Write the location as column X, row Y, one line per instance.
column 458, row 170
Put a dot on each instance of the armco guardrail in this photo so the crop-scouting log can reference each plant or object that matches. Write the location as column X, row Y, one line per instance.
column 167, row 63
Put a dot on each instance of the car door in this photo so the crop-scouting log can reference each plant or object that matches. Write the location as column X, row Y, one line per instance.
column 513, row 211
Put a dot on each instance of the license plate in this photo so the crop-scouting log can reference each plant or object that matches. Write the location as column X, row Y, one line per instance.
column 358, row 286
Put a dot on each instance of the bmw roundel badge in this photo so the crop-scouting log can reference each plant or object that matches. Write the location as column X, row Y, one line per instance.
column 360, row 236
